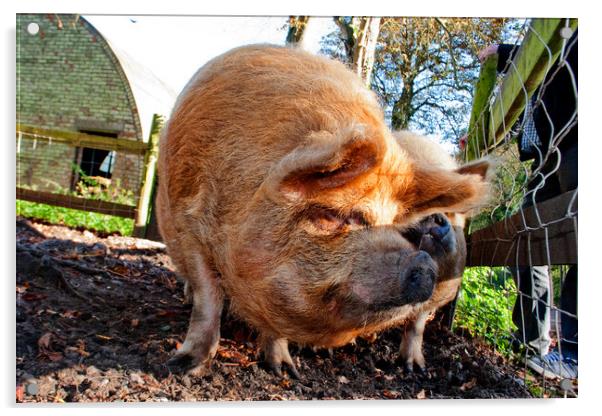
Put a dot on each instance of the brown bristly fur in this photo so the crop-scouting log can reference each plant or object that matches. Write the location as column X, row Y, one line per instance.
column 262, row 139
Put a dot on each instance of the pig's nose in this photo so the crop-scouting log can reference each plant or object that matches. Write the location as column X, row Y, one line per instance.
column 441, row 227
column 418, row 277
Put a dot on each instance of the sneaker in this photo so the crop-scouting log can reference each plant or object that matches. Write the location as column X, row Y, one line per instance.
column 552, row 365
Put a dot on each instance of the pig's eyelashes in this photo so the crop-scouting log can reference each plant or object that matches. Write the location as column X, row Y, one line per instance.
column 330, row 221
column 326, row 221
column 356, row 219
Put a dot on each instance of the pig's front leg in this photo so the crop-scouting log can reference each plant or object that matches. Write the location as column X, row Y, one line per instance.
column 411, row 344
column 275, row 352
column 203, row 334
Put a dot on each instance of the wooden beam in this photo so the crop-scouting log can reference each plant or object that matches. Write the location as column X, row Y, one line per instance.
column 538, row 52
column 78, row 139
column 479, row 118
column 68, row 201
column 538, row 235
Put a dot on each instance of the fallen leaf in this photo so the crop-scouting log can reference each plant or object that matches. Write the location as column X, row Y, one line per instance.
column 248, row 363
column 30, row 297
column 54, row 356
column 70, row 314
column 44, row 341
column 20, row 392
column 343, row 380
column 230, row 355
column 421, row 395
column 167, row 313
column 80, row 348
column 121, row 270
column 391, row 394
column 469, row 384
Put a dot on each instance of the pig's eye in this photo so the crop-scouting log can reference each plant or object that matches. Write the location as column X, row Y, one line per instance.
column 326, row 220
column 330, row 221
column 356, row 219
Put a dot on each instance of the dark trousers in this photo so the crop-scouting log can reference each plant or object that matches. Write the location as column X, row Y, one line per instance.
column 568, row 323
column 531, row 313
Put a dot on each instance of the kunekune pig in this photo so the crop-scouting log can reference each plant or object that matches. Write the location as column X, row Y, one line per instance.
column 281, row 189
column 442, row 236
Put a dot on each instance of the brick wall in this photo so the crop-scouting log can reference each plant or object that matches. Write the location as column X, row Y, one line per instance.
column 67, row 75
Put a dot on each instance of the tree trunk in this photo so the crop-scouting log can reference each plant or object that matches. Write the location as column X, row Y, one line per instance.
column 296, row 29
column 359, row 36
column 402, row 108
column 364, row 48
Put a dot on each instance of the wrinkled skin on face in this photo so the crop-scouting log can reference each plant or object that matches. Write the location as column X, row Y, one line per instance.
column 281, row 189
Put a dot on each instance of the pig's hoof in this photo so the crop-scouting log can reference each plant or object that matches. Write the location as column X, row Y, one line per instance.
column 276, row 368
column 409, row 368
column 188, row 364
column 276, row 353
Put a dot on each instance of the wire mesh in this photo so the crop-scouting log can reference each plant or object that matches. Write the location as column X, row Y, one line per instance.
column 84, row 178
column 530, row 229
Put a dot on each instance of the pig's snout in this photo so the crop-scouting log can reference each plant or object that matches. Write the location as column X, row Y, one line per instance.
column 434, row 235
column 412, row 282
column 441, row 227
column 418, row 278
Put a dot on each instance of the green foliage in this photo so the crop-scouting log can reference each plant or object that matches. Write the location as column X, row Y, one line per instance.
column 92, row 188
column 507, row 188
column 425, row 69
column 89, row 187
column 75, row 218
column 485, row 305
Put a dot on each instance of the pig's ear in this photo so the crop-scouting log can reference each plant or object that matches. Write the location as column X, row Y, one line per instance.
column 461, row 190
column 481, row 167
column 326, row 163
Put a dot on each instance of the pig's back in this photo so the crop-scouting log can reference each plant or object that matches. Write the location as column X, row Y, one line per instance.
column 237, row 117
column 246, row 109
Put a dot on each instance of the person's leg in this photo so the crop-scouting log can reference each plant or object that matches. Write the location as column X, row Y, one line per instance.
column 568, row 323
column 531, row 312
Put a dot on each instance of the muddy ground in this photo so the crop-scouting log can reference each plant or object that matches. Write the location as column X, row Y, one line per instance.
column 98, row 317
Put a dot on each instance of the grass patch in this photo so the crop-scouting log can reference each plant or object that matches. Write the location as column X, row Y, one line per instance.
column 75, row 218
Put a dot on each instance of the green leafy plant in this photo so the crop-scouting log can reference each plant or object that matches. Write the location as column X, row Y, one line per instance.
column 485, row 305
column 507, row 188
column 75, row 218
column 89, row 187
